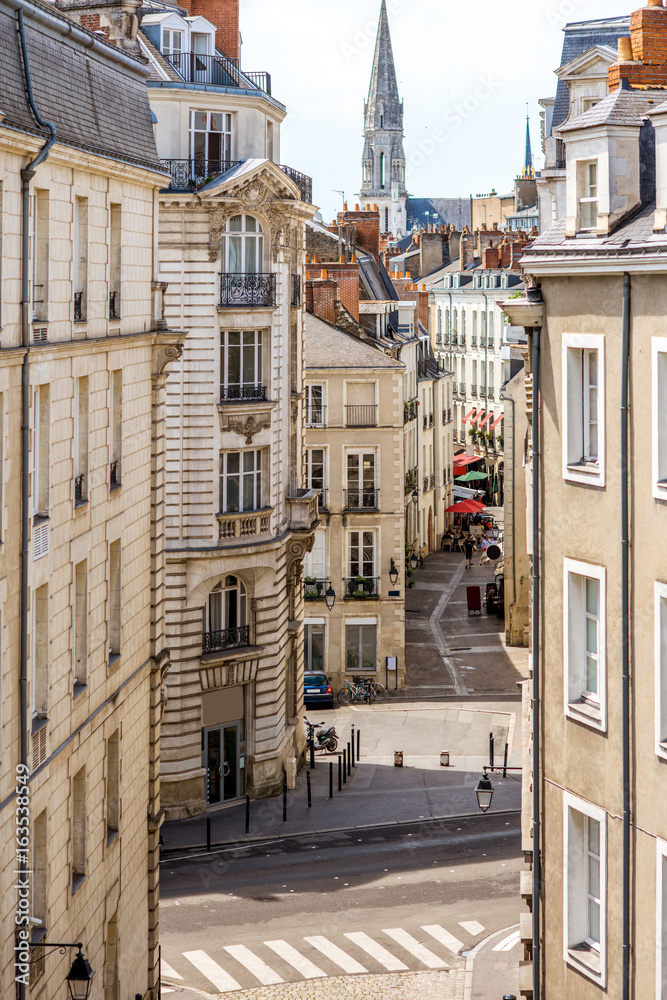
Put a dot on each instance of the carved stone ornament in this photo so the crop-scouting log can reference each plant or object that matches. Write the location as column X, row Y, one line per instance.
column 296, row 551
column 249, row 427
column 164, row 354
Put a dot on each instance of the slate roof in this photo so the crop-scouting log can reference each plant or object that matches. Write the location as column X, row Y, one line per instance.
column 634, row 237
column 328, row 347
column 447, row 208
column 621, row 107
column 94, row 94
column 579, row 37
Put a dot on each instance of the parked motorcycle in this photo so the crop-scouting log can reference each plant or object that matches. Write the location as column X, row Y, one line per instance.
column 323, row 739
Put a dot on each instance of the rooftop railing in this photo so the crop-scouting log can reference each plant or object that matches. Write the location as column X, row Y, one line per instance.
column 192, row 172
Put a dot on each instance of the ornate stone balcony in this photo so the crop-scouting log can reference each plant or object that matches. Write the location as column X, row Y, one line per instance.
column 303, row 510
column 245, row 524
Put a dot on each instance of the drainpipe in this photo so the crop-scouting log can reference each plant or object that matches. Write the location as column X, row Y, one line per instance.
column 27, row 174
column 625, row 625
column 508, row 399
column 537, row 874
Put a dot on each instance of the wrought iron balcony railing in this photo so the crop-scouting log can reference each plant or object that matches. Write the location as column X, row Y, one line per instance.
column 247, row 290
column 78, row 307
column 189, row 174
column 114, row 312
column 316, row 416
column 410, row 479
column 239, row 393
column 473, row 390
column 431, row 481
column 313, row 589
column 218, row 70
column 323, row 499
column 226, row 638
column 409, row 411
column 296, row 289
column 462, row 388
column 79, row 496
column 366, row 499
column 357, row 415
column 360, row 588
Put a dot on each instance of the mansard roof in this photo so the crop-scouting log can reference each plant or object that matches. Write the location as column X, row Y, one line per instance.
column 621, row 107
column 383, row 100
column 89, row 89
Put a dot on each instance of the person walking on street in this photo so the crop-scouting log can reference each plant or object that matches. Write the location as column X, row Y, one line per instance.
column 469, row 551
column 485, row 545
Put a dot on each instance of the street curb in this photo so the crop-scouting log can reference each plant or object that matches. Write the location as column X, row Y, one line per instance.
column 166, row 856
column 472, row 955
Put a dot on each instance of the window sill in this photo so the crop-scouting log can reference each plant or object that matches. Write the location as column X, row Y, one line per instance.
column 232, row 653
column 79, row 689
column 661, row 750
column 114, row 659
column 584, row 472
column 111, row 836
column 38, row 722
column 587, row 960
column 78, row 504
column 584, row 711
column 114, row 489
column 77, row 881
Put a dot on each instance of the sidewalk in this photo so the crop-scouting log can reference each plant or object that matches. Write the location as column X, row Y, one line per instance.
column 377, row 793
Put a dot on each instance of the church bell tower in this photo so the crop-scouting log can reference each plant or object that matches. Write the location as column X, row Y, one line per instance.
column 383, row 164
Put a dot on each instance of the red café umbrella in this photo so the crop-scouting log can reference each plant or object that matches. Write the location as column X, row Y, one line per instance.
column 467, row 506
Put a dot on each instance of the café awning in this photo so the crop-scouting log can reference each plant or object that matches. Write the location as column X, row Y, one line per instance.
column 496, row 422
column 467, row 459
column 469, row 415
column 486, row 418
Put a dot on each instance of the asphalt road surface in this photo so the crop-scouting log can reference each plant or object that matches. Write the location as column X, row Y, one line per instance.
column 399, row 898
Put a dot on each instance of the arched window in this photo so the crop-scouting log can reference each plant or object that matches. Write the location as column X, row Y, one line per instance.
column 243, row 246
column 383, row 169
column 227, row 621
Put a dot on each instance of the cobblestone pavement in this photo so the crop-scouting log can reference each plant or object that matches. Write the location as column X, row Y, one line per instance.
column 448, row 985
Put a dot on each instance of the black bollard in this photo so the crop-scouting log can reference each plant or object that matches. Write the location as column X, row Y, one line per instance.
column 349, row 766
column 358, row 744
column 285, row 799
column 208, row 833
column 340, row 772
column 247, row 813
column 505, row 761
column 344, row 766
column 310, row 802
column 491, row 749
column 312, row 750
column 330, row 779
column 352, row 744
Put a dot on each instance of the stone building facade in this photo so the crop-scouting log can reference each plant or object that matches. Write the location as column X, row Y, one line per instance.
column 83, row 366
column 595, row 826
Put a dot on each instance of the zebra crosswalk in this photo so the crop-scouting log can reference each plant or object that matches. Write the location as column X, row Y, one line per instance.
column 391, row 949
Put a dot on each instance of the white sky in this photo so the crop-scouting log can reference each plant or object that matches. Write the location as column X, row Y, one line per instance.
column 465, row 72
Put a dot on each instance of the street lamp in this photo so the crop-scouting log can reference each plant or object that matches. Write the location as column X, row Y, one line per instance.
column 80, row 977
column 393, row 574
column 413, row 561
column 330, row 597
column 484, row 792
column 415, row 497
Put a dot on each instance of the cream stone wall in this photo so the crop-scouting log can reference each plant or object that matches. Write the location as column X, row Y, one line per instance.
column 385, row 441
column 583, row 523
column 120, row 695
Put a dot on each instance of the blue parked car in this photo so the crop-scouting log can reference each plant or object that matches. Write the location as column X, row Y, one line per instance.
column 317, row 690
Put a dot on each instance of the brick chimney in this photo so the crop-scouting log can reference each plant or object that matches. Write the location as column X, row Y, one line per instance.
column 490, row 258
column 224, row 14
column 321, row 295
column 367, row 228
column 642, row 58
column 346, row 278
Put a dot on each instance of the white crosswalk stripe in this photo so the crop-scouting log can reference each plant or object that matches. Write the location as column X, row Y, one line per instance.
column 253, row 964
column 167, row 971
column 444, row 937
column 335, row 954
column 376, row 951
column 411, row 944
column 294, row 958
column 508, row 943
column 471, row 926
column 221, row 979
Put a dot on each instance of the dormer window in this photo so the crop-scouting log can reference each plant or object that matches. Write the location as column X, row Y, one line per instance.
column 588, row 198
column 172, row 43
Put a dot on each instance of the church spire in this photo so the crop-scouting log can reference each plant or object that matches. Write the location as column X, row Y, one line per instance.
column 528, row 165
column 384, row 109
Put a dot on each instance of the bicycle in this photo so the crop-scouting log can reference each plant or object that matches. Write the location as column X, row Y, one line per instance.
column 354, row 691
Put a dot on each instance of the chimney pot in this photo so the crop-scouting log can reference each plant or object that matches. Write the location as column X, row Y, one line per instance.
column 356, row 208
column 316, row 258
column 353, row 258
column 345, row 206
column 375, row 208
column 324, row 274
column 625, row 49
column 341, row 259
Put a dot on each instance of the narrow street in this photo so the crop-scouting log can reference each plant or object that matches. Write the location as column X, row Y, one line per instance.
column 374, row 892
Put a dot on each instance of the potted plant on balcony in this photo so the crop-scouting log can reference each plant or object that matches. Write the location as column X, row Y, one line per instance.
column 473, row 432
column 310, row 584
column 356, row 586
column 501, row 441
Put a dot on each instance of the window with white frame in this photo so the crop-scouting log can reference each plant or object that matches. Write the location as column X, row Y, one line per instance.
column 361, row 491
column 584, row 408
column 210, row 139
column 172, row 41
column 588, row 195
column 661, row 921
column 584, row 602
column 659, row 406
column 361, row 554
column 316, row 473
column 360, row 645
column 243, row 246
column 314, row 406
column 227, row 605
column 660, row 629
column 315, row 563
column 313, row 641
column 584, row 886
column 241, row 365
column 240, row 481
